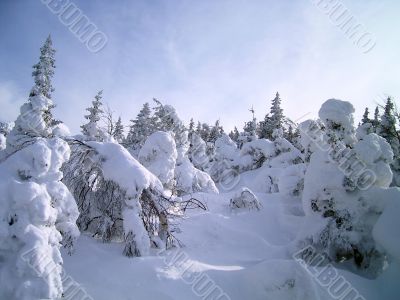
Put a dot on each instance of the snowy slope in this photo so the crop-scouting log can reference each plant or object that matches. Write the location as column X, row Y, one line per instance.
column 245, row 254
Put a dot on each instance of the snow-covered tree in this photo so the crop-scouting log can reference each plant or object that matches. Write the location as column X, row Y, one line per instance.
column 198, row 152
column 167, row 119
column 234, row 135
column 224, row 163
column 140, row 129
column 341, row 170
column 92, row 130
column 365, row 119
column 387, row 129
column 159, row 155
column 35, row 119
column 191, row 129
column 42, row 73
column 274, row 120
column 118, row 198
column 118, row 132
column 215, row 132
column 5, row 128
column 376, row 120
column 37, row 212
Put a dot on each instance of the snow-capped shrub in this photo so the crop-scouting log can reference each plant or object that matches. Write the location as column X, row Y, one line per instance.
column 37, row 215
column 191, row 180
column 159, row 155
column 335, row 187
column 118, row 198
column 245, row 199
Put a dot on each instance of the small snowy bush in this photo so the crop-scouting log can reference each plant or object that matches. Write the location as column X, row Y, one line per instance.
column 245, row 199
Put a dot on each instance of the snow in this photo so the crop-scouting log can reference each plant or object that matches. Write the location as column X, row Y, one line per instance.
column 385, row 231
column 247, row 255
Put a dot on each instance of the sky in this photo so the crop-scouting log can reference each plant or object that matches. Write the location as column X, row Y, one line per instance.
column 210, row 59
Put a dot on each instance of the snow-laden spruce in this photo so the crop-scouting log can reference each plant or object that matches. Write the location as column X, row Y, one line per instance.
column 159, row 155
column 37, row 212
column 345, row 184
column 92, row 130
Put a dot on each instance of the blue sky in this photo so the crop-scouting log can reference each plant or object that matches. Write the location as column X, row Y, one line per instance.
column 210, row 59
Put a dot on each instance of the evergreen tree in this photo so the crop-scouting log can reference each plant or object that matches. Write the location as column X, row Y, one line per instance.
column 387, row 129
column 375, row 122
column 234, row 135
column 366, row 118
column 274, row 120
column 36, row 119
column 191, row 129
column 205, row 132
column 118, row 133
column 141, row 128
column 198, row 128
column 215, row 132
column 42, row 73
column 38, row 212
column 92, row 129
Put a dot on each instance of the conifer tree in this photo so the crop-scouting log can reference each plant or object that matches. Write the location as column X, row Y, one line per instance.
column 118, row 133
column 92, row 129
column 141, row 128
column 366, row 118
column 234, row 135
column 191, row 129
column 375, row 122
column 274, row 120
column 35, row 119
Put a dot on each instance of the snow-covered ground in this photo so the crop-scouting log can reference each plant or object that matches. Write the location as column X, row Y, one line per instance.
column 245, row 254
